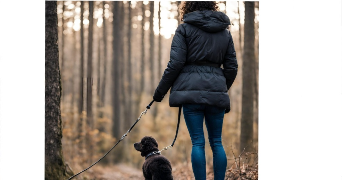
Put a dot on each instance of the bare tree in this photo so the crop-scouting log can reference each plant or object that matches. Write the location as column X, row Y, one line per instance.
column 142, row 81
column 103, row 87
column 248, row 79
column 80, row 105
column 130, row 65
column 115, row 74
column 152, row 46
column 159, row 43
column 90, row 123
column 55, row 167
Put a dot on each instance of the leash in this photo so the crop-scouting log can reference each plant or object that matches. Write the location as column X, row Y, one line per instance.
column 130, row 129
column 174, row 140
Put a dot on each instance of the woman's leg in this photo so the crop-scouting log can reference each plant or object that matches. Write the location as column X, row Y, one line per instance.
column 194, row 115
column 214, row 120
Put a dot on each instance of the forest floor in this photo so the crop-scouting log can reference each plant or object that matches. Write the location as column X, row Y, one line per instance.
column 180, row 172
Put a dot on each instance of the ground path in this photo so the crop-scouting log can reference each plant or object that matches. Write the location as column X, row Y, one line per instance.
column 180, row 172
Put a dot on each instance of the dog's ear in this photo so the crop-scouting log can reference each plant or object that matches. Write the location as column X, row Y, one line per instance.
column 149, row 141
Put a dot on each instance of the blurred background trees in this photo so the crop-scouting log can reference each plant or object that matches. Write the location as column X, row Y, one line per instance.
column 113, row 54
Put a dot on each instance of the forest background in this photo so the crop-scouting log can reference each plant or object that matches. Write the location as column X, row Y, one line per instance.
column 110, row 66
column 273, row 106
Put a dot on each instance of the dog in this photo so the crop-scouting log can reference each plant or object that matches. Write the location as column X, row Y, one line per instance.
column 156, row 166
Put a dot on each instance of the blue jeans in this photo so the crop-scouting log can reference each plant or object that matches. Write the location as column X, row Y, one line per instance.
column 193, row 115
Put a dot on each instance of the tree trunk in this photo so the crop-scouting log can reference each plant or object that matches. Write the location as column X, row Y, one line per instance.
column 115, row 74
column 98, row 68
column 103, row 88
column 80, row 106
column 130, row 65
column 74, row 70
column 159, row 45
column 142, row 80
column 152, row 47
column 55, row 167
column 123, row 67
column 90, row 80
column 248, row 79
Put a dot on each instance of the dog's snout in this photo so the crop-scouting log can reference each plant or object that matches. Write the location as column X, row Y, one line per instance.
column 137, row 146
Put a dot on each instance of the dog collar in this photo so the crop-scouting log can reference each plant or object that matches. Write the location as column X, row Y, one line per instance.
column 152, row 153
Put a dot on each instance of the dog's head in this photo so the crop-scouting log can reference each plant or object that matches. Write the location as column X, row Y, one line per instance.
column 147, row 145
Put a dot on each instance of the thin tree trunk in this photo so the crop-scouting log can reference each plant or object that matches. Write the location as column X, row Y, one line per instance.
column 142, row 81
column 103, row 88
column 152, row 46
column 159, row 45
column 81, row 96
column 80, row 106
column 122, row 69
column 74, row 70
column 90, row 79
column 130, row 65
column 115, row 74
column 248, row 79
column 55, row 168
column 98, row 68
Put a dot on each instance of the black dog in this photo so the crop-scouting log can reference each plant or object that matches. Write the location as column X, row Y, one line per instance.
column 156, row 166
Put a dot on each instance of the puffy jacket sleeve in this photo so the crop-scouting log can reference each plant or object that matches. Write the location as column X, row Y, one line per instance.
column 178, row 54
column 230, row 65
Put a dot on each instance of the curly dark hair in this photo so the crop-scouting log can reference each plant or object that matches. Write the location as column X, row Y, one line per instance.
column 190, row 6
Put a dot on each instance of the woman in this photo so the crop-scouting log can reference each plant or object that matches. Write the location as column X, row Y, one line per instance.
column 199, row 47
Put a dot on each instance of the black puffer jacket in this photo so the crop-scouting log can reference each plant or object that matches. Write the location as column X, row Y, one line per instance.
column 202, row 37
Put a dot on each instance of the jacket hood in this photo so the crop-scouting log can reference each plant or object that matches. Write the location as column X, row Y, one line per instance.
column 207, row 20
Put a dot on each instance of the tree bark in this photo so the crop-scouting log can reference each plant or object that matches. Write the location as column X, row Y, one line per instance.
column 248, row 79
column 90, row 123
column 55, row 167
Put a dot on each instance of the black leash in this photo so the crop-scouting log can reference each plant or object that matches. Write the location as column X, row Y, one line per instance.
column 167, row 147
column 144, row 112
